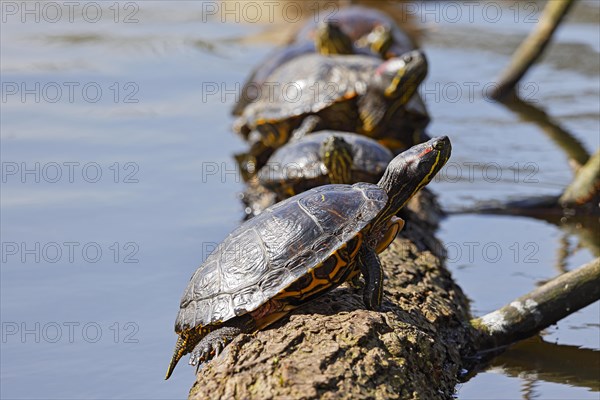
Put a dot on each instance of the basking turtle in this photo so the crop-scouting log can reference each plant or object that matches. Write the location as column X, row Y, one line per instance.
column 351, row 30
column 371, row 31
column 322, row 158
column 297, row 250
column 347, row 93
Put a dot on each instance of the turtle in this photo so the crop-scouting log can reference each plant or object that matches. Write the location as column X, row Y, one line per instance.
column 375, row 34
column 322, row 158
column 297, row 250
column 351, row 93
column 370, row 29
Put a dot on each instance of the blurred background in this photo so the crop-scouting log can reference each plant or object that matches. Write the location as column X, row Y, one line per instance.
column 118, row 179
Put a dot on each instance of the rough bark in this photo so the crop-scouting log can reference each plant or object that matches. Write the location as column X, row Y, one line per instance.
column 334, row 348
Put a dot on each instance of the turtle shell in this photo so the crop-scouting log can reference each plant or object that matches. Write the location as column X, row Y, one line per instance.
column 258, row 76
column 309, row 84
column 300, row 161
column 276, row 250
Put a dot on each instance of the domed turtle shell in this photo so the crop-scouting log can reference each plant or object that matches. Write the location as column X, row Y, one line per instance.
column 300, row 166
column 254, row 84
column 286, row 245
column 309, row 84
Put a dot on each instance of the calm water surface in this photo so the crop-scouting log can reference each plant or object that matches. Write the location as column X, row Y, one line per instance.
column 94, row 263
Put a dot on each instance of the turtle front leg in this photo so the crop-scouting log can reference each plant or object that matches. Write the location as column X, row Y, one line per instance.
column 370, row 266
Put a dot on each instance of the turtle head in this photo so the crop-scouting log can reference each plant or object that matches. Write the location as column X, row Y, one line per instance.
column 399, row 77
column 337, row 155
column 391, row 86
column 330, row 39
column 410, row 171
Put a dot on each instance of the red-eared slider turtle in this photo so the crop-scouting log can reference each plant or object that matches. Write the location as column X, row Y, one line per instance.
column 369, row 29
column 347, row 93
column 353, row 30
column 297, row 250
column 322, row 158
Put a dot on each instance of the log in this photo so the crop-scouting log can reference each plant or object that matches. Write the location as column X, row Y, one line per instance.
column 541, row 308
column 585, row 186
column 532, row 47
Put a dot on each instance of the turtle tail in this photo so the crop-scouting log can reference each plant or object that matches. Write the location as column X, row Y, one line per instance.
column 180, row 350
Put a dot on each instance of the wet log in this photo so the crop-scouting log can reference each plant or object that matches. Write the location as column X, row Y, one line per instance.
column 541, row 308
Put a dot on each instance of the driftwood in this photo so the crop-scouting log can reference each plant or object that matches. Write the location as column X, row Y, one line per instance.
column 541, row 308
column 532, row 48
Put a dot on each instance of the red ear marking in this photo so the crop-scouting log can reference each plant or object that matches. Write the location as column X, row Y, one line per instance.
column 427, row 150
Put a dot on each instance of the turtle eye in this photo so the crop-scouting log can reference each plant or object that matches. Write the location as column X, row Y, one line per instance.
column 408, row 59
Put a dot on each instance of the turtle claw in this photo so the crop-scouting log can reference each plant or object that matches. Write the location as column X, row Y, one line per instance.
column 199, row 355
column 218, row 348
column 212, row 345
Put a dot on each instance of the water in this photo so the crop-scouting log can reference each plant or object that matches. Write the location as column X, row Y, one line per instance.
column 92, row 316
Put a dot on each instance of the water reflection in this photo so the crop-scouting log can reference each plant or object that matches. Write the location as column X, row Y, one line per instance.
column 551, row 362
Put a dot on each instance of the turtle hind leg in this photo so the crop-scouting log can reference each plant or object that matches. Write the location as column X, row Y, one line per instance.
column 308, row 125
column 213, row 343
